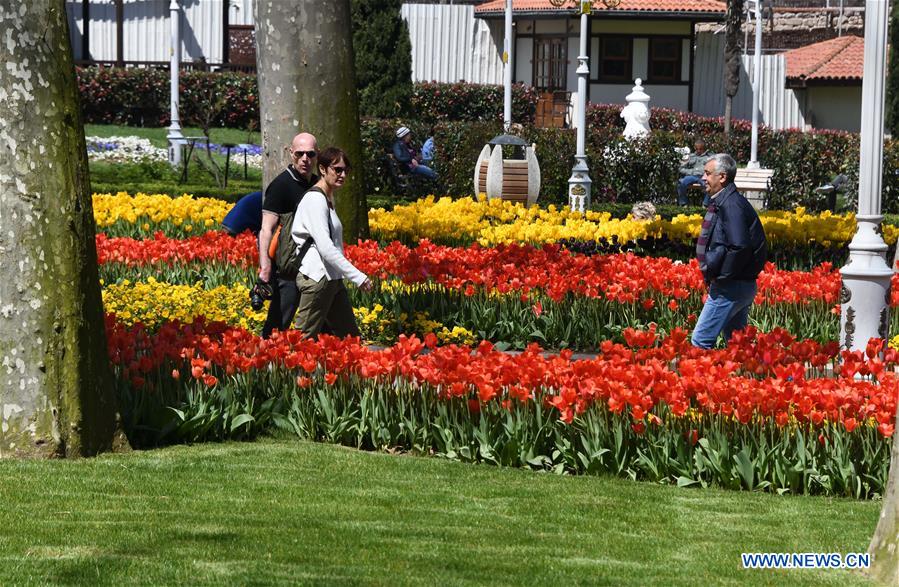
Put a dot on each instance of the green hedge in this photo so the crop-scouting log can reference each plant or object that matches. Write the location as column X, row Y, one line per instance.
column 433, row 102
column 645, row 169
column 140, row 97
column 463, row 117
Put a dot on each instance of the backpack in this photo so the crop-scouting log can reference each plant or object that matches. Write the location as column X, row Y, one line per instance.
column 283, row 250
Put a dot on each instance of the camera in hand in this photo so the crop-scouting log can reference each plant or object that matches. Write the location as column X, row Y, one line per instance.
column 261, row 292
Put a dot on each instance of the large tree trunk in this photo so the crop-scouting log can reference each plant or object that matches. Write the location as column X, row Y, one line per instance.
column 56, row 392
column 732, row 61
column 307, row 84
column 884, row 546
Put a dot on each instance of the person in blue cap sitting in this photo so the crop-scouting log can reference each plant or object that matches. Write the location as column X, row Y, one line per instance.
column 245, row 215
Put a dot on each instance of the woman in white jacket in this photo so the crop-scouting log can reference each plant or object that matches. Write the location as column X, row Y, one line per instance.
column 324, row 303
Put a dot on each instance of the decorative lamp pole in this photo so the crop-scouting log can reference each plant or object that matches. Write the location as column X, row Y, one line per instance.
column 507, row 72
column 865, row 293
column 756, row 88
column 579, row 183
column 176, row 139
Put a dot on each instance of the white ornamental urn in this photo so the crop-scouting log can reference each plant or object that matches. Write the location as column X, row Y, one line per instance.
column 636, row 113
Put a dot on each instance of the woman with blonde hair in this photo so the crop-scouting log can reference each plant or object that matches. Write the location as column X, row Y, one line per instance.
column 318, row 233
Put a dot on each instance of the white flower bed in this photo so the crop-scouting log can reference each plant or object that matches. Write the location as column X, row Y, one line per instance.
column 135, row 149
column 124, row 150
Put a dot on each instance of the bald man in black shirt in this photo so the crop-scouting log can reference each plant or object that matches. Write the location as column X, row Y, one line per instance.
column 282, row 196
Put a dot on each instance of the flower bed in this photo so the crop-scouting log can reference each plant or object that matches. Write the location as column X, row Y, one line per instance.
column 780, row 409
column 513, row 294
column 123, row 150
column 654, row 409
column 494, row 222
column 133, row 149
column 143, row 214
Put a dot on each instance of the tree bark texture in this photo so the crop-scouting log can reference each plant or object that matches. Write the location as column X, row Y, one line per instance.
column 304, row 63
column 732, row 60
column 884, row 548
column 56, row 392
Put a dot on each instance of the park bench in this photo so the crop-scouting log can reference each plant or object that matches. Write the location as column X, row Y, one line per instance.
column 754, row 184
column 406, row 184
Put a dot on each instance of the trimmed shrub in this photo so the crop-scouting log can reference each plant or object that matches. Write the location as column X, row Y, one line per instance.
column 465, row 116
column 140, row 97
column 433, row 102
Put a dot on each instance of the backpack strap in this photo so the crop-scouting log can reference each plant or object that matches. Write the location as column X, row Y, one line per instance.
column 305, row 248
column 330, row 227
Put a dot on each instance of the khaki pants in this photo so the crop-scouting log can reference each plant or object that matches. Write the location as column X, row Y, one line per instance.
column 324, row 308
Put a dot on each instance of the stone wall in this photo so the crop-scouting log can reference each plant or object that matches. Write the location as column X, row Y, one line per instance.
column 789, row 28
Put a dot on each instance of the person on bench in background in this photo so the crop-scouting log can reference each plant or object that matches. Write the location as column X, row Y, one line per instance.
column 408, row 156
column 245, row 215
column 692, row 169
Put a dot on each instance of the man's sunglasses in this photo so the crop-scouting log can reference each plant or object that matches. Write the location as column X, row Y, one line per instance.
column 310, row 154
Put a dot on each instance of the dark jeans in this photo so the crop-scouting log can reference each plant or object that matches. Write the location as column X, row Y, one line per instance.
column 425, row 171
column 281, row 310
column 683, row 185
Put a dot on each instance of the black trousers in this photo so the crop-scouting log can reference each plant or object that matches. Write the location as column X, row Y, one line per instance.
column 283, row 307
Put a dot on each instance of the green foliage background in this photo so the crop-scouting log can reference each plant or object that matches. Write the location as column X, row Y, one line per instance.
column 383, row 55
column 892, row 89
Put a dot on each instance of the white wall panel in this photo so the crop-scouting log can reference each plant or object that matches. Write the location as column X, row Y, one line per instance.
column 659, row 96
column 524, row 60
column 640, row 59
column 779, row 107
column 449, row 44
column 241, row 12
column 147, row 31
column 574, row 48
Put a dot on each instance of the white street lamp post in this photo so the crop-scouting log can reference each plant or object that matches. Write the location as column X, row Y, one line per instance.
column 756, row 88
column 865, row 293
column 176, row 139
column 507, row 72
column 579, row 183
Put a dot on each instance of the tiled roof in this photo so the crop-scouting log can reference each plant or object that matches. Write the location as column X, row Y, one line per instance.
column 667, row 7
column 839, row 59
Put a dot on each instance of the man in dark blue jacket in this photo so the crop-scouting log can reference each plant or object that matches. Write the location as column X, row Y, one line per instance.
column 245, row 215
column 732, row 250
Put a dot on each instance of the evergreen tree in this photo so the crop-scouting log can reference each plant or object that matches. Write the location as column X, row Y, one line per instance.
column 383, row 58
column 892, row 88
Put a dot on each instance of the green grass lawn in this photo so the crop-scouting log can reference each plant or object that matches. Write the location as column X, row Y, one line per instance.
column 161, row 178
column 289, row 512
column 157, row 135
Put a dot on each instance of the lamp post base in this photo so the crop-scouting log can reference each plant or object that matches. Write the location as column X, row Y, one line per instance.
column 865, row 289
column 176, row 145
column 579, row 185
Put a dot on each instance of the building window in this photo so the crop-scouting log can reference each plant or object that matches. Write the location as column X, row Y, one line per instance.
column 615, row 59
column 550, row 63
column 664, row 59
